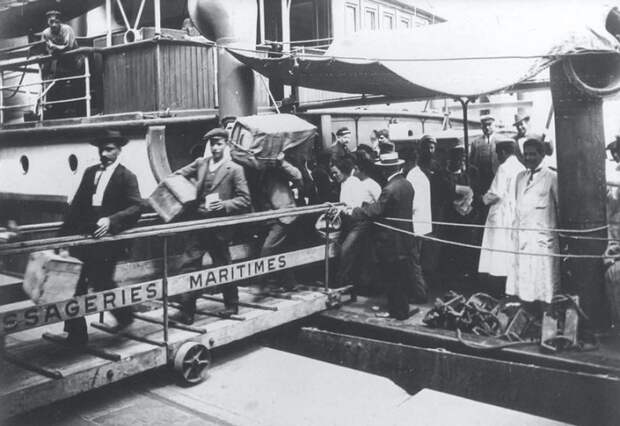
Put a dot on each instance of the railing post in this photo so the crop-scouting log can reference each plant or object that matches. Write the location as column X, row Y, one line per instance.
column 108, row 21
column 164, row 289
column 41, row 99
column 87, row 84
column 327, row 220
column 2, row 97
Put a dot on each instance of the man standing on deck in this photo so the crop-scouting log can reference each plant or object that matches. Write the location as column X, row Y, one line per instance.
column 394, row 248
column 482, row 153
column 106, row 202
column 535, row 278
column 340, row 148
column 500, row 198
column 222, row 190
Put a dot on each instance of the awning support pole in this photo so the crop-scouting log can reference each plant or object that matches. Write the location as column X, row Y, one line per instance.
column 464, row 103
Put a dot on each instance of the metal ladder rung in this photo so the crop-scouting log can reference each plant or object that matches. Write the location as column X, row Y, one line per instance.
column 52, row 374
column 171, row 323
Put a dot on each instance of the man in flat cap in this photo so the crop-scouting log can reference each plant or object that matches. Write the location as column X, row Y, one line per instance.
column 222, row 190
column 107, row 202
column 501, row 199
column 340, row 148
column 58, row 38
column 535, row 277
column 384, row 144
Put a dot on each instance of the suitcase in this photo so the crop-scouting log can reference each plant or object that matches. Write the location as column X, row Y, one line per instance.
column 51, row 277
column 171, row 196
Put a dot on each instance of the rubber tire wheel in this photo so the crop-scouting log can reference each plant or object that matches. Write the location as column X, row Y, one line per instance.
column 191, row 362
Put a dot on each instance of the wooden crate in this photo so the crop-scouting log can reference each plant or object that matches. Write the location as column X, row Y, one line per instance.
column 51, row 277
column 171, row 196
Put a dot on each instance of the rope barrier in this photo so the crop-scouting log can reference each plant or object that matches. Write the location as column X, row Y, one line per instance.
column 472, row 225
column 473, row 246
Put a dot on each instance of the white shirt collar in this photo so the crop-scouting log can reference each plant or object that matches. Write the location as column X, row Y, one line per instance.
column 393, row 175
column 213, row 166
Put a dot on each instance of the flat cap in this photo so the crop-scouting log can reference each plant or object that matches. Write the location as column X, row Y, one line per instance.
column 51, row 13
column 383, row 132
column 215, row 134
column 520, row 119
column 343, row 131
column 428, row 139
column 487, row 118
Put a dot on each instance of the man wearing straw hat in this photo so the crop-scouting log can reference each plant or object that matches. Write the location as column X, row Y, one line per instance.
column 395, row 249
column 106, row 202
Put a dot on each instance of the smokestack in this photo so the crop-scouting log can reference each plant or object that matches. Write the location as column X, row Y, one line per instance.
column 229, row 24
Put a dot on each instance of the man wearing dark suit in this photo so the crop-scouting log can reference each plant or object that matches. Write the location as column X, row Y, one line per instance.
column 106, row 202
column 222, row 190
column 395, row 249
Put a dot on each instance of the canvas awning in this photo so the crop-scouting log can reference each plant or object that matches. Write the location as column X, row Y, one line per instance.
column 453, row 59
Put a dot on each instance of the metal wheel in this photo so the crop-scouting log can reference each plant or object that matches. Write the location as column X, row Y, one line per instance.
column 191, row 361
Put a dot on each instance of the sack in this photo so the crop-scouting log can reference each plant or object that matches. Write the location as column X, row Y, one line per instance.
column 51, row 277
column 171, row 196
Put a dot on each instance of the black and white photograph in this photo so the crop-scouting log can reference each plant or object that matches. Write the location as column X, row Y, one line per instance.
column 309, row 212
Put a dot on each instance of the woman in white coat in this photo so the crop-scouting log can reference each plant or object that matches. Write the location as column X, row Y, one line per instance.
column 501, row 199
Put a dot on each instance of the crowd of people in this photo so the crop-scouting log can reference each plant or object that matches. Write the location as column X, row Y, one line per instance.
column 407, row 221
column 480, row 221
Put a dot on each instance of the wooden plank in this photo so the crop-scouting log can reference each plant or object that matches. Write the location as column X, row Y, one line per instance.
column 24, row 391
column 16, row 320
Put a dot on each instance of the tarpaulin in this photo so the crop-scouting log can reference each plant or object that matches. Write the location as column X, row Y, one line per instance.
column 450, row 59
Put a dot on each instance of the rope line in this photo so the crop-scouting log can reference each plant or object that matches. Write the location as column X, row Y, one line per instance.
column 473, row 246
column 471, row 225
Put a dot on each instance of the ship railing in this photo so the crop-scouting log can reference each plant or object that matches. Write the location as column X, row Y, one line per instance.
column 45, row 84
column 15, row 317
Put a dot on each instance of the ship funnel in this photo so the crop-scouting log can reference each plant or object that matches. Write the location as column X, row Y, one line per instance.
column 229, row 24
column 597, row 74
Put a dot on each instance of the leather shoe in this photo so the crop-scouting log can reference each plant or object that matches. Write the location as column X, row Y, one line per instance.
column 230, row 310
column 182, row 318
column 77, row 339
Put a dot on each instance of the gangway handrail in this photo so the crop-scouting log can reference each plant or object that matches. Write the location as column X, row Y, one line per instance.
column 54, row 226
column 160, row 230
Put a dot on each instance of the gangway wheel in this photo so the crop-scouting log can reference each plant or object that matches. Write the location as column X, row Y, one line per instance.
column 191, row 361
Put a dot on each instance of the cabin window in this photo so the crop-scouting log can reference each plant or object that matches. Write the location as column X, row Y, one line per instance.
column 405, row 23
column 420, row 21
column 370, row 19
column 25, row 163
column 73, row 163
column 350, row 18
column 388, row 21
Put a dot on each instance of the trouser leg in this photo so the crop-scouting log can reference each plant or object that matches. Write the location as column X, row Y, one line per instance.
column 76, row 328
column 418, row 289
column 396, row 288
column 276, row 242
column 350, row 252
column 218, row 247
column 104, row 280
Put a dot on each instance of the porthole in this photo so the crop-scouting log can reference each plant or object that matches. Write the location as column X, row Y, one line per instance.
column 410, row 133
column 73, row 163
column 25, row 163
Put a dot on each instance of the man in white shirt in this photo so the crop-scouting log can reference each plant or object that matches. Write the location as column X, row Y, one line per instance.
column 106, row 202
column 535, row 278
column 357, row 190
column 422, row 212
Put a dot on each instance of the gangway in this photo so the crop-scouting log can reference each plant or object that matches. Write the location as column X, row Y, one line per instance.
column 38, row 367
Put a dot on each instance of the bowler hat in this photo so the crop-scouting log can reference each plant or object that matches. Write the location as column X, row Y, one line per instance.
column 110, row 136
column 215, row 134
column 389, row 159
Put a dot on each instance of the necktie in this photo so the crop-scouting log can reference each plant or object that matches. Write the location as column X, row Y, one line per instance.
column 532, row 173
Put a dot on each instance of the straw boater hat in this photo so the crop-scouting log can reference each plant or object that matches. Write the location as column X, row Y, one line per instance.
column 389, row 159
column 110, row 136
column 520, row 119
